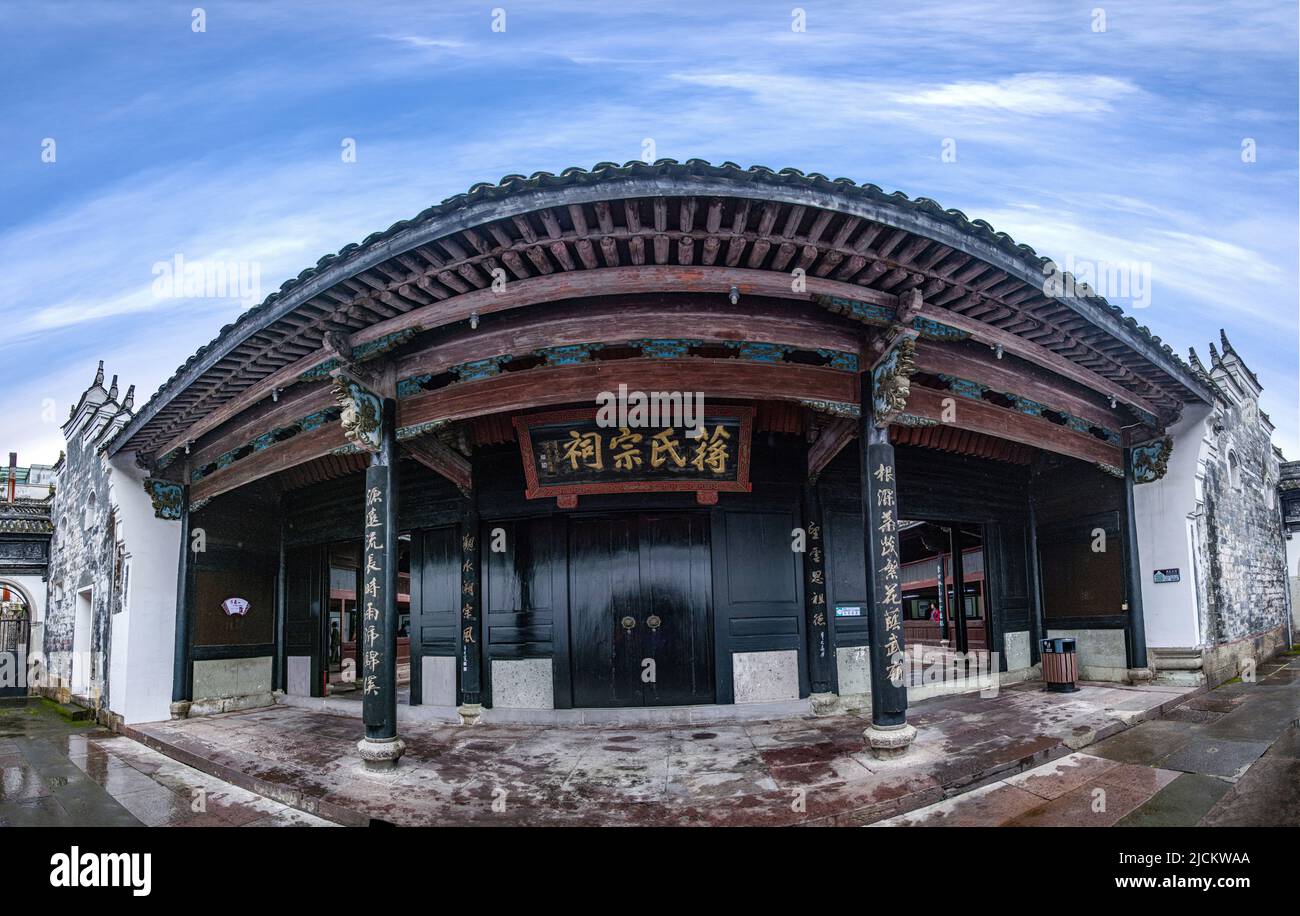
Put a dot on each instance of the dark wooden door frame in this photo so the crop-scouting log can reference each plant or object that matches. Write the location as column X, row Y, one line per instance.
column 639, row 512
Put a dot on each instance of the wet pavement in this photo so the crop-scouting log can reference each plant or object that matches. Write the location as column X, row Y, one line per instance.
column 1229, row 757
column 57, row 773
column 800, row 770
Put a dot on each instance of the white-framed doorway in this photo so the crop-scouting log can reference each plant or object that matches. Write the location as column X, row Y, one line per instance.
column 81, row 641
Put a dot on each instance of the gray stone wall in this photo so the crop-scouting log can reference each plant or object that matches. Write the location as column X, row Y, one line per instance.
column 82, row 556
column 1243, row 556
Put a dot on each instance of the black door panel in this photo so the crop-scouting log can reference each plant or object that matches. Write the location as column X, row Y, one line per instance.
column 639, row 600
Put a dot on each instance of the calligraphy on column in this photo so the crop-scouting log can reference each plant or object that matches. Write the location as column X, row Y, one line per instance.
column 372, row 643
column 889, row 587
column 815, row 570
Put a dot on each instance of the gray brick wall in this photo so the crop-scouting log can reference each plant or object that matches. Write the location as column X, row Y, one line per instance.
column 1243, row 554
column 81, row 557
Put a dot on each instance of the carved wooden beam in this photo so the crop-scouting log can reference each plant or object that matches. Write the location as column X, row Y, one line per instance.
column 378, row 379
column 442, row 459
column 835, row 433
column 926, row 406
column 909, row 307
column 650, row 279
column 891, row 379
column 717, row 378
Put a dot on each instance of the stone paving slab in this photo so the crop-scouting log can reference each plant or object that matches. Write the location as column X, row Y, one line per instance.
column 1146, row 744
column 1182, row 803
column 795, row 770
column 1231, row 758
column 74, row 774
column 1267, row 795
column 1215, row 756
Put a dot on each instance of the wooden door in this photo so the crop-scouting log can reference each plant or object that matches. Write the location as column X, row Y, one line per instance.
column 435, row 600
column 639, row 608
column 676, row 589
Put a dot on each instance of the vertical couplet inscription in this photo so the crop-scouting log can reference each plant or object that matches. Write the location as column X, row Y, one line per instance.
column 818, row 625
column 889, row 600
column 374, row 623
column 471, row 605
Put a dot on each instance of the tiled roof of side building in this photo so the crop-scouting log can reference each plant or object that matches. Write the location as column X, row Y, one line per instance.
column 26, row 516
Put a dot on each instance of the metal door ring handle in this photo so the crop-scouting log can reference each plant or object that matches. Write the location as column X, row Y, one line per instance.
column 628, row 623
column 653, row 621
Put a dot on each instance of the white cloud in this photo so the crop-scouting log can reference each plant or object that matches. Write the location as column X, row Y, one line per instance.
column 1024, row 94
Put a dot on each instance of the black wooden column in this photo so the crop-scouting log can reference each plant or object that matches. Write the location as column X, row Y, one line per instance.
column 821, row 655
column 889, row 734
column 1037, row 626
column 278, row 660
column 182, row 667
column 958, row 587
column 471, row 617
column 377, row 642
column 945, row 616
column 1137, row 630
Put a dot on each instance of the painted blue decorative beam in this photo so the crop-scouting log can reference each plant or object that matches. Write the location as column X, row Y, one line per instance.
column 665, row 347
column 568, row 354
column 857, row 310
column 480, row 368
column 413, row 385
column 965, row 387
column 937, row 330
column 759, row 352
column 840, row 359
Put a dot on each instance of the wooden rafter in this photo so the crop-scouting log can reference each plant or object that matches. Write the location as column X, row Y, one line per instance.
column 575, row 239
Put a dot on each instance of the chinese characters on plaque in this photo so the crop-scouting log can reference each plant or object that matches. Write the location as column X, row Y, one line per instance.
column 567, row 454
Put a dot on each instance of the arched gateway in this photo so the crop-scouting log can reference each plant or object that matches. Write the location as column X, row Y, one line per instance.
column 397, row 462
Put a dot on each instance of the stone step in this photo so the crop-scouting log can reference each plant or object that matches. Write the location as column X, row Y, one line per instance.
column 73, row 712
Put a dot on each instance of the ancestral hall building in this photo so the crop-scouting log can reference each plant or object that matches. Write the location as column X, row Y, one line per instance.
column 392, row 480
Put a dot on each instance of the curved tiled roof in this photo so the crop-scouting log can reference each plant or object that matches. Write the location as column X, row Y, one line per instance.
column 607, row 172
column 25, row 516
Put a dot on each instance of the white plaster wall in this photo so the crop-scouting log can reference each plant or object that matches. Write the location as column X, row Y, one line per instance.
column 1162, row 511
column 144, row 633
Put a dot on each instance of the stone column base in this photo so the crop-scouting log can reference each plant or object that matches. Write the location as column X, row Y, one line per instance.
column 1141, row 675
column 381, row 754
column 824, row 704
column 180, row 709
column 470, row 713
column 888, row 741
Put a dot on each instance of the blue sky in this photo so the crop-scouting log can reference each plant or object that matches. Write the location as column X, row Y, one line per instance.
column 1115, row 145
